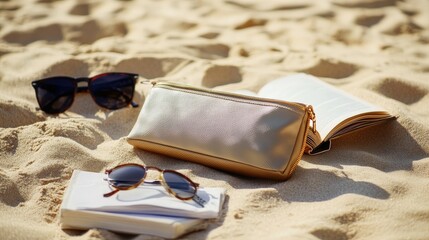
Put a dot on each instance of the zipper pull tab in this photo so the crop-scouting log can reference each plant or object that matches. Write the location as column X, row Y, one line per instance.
column 312, row 117
column 152, row 82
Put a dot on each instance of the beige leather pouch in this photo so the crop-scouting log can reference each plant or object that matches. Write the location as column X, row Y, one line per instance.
column 237, row 133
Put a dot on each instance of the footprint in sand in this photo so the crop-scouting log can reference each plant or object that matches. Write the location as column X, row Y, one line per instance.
column 151, row 67
column 331, row 68
column 9, row 193
column 40, row 63
column 83, row 31
column 328, row 233
column 365, row 3
column 51, row 32
column 400, row 90
column 251, row 22
column 369, row 20
column 221, row 75
column 80, row 9
column 210, row 35
column 208, row 51
column 91, row 30
column 273, row 6
column 69, row 67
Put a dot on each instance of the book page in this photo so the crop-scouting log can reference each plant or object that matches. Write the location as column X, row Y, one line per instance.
column 331, row 105
column 163, row 226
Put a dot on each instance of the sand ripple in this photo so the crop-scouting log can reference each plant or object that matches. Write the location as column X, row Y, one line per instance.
column 372, row 185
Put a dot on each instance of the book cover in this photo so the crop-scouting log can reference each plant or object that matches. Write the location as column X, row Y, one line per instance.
column 145, row 210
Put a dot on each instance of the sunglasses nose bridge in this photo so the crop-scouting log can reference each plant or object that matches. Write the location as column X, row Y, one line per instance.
column 82, row 84
column 156, row 171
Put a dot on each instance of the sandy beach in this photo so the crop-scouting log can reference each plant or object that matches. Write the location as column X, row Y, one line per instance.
column 373, row 184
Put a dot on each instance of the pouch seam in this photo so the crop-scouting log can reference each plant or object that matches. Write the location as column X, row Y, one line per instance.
column 194, row 152
column 304, row 142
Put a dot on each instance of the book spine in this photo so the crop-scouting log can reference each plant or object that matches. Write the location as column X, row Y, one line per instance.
column 65, row 204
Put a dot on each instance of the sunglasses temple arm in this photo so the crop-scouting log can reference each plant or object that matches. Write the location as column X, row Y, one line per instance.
column 134, row 104
column 111, row 193
column 199, row 200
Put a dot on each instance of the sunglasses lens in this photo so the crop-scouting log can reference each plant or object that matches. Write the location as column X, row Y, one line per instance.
column 112, row 90
column 181, row 186
column 55, row 95
column 126, row 176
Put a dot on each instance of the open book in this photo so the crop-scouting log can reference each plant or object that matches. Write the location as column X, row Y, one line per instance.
column 337, row 112
column 148, row 209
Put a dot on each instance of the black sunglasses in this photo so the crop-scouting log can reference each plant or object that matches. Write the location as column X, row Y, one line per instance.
column 112, row 90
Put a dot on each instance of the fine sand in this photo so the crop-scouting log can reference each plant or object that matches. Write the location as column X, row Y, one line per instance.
column 373, row 184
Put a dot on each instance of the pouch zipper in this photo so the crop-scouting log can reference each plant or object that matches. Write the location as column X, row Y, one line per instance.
column 308, row 108
column 273, row 102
